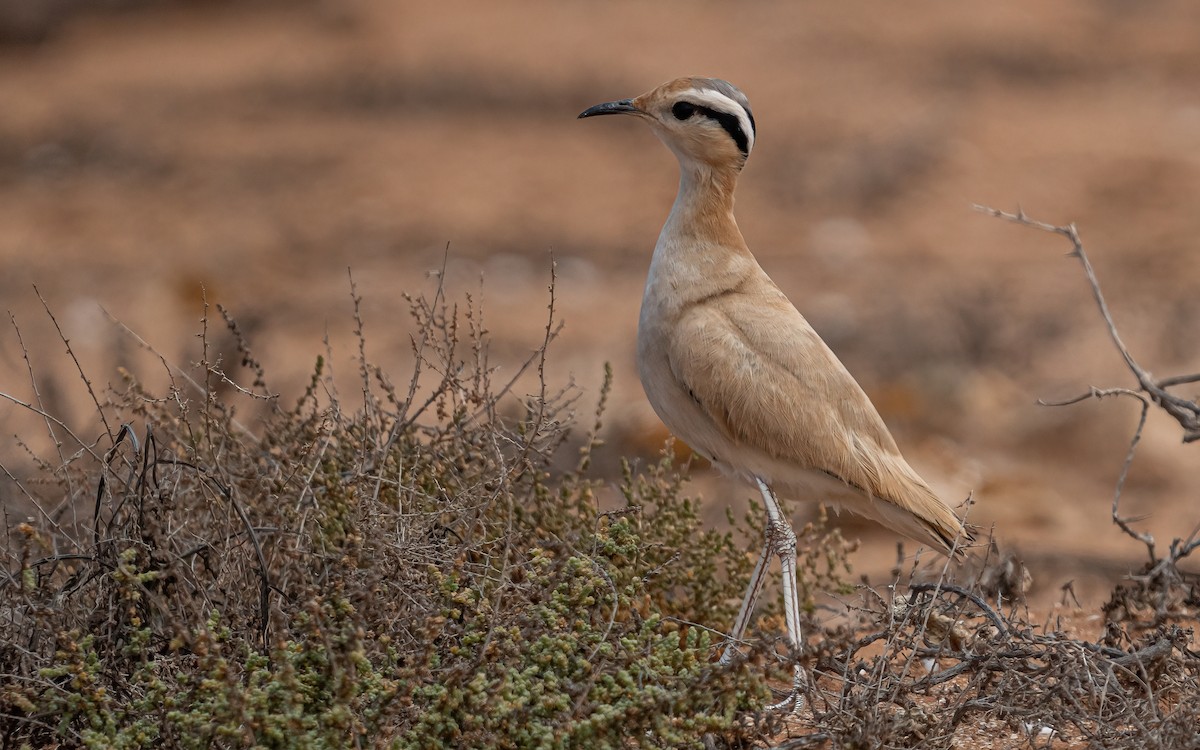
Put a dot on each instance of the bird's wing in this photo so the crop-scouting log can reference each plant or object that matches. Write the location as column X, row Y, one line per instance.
column 768, row 382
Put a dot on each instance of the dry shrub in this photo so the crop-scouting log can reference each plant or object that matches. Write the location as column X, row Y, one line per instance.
column 408, row 572
column 416, row 571
column 933, row 664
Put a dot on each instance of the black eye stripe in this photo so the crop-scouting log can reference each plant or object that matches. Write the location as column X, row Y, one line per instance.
column 732, row 125
column 683, row 110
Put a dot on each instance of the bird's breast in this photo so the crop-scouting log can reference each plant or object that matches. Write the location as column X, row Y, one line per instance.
column 678, row 409
column 673, row 289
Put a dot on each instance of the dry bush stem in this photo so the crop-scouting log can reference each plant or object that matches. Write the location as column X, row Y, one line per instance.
column 1186, row 412
column 248, row 358
column 265, row 587
column 88, row 447
column 360, row 335
column 977, row 600
column 419, row 345
column 216, row 370
column 173, row 371
column 40, row 408
column 102, row 484
column 78, row 367
column 1121, row 521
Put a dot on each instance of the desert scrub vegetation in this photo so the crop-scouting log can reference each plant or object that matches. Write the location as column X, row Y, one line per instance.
column 427, row 567
column 431, row 565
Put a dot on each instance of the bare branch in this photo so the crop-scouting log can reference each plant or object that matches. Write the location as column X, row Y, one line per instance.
column 977, row 600
column 89, row 447
column 1186, row 412
column 1179, row 380
column 78, row 367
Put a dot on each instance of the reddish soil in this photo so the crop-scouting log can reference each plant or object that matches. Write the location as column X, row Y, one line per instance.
column 248, row 154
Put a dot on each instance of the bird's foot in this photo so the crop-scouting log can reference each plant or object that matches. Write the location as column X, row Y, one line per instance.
column 793, row 701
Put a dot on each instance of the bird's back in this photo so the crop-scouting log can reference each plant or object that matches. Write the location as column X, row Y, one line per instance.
column 734, row 370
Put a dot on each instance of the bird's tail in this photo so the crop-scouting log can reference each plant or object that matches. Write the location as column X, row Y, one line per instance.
column 904, row 502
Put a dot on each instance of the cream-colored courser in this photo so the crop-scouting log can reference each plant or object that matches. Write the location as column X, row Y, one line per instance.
column 733, row 369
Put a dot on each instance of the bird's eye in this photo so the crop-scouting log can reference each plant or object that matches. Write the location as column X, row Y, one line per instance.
column 683, row 110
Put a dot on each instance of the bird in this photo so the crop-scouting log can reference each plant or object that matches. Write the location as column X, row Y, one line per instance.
column 734, row 370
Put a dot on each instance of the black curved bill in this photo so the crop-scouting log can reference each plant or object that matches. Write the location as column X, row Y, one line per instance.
column 622, row 107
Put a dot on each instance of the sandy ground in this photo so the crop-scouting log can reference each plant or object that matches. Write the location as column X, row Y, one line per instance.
column 248, row 154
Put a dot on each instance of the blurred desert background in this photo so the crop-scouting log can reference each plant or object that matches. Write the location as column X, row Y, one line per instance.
column 158, row 155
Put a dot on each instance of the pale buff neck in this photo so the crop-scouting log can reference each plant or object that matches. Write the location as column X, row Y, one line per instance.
column 703, row 209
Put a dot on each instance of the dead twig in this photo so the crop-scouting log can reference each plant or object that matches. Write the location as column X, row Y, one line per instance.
column 1161, row 575
column 975, row 599
column 1186, row 412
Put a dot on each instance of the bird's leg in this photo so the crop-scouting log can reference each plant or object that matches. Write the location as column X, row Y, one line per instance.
column 757, row 579
column 782, row 540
